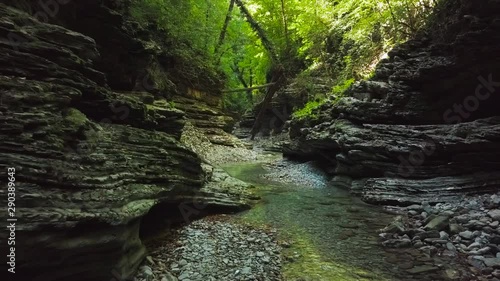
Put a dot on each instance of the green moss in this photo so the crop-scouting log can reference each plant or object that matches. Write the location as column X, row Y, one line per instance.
column 75, row 118
column 309, row 110
column 342, row 86
column 310, row 264
column 308, row 261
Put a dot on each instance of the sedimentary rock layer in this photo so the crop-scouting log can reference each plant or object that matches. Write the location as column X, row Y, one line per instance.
column 90, row 160
column 426, row 127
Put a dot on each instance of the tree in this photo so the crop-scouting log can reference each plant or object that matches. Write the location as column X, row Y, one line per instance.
column 224, row 29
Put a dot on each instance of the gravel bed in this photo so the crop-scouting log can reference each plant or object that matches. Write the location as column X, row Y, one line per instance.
column 468, row 229
column 210, row 250
column 216, row 154
column 303, row 174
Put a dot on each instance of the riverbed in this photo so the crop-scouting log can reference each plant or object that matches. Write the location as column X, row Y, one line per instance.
column 301, row 229
column 331, row 235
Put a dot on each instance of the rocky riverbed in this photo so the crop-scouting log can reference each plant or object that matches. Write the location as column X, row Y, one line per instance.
column 211, row 249
column 303, row 174
column 235, row 150
column 467, row 229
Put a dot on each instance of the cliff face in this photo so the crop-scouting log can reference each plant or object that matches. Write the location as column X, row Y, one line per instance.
column 426, row 127
column 94, row 145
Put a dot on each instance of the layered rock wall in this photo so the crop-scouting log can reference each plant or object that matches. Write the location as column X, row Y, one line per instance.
column 93, row 151
column 426, row 127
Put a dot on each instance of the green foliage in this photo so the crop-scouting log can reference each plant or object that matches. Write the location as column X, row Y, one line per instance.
column 359, row 34
column 340, row 88
column 236, row 102
column 344, row 39
column 309, row 111
column 192, row 21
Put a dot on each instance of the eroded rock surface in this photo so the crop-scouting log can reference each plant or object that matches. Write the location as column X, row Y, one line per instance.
column 93, row 153
column 426, row 126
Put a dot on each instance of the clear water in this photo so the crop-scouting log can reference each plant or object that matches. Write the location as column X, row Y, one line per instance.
column 333, row 234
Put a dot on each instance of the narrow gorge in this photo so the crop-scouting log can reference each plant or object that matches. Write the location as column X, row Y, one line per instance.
column 334, row 140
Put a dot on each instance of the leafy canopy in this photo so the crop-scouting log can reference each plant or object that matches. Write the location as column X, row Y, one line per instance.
column 342, row 39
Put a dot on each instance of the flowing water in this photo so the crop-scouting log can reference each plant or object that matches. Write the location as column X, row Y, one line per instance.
column 334, row 234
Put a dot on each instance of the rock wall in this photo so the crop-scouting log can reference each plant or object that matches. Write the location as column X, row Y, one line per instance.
column 426, row 127
column 93, row 151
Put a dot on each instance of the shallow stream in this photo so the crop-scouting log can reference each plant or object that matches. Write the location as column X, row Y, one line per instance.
column 333, row 234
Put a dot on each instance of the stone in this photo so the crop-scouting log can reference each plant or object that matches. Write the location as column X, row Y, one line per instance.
column 492, row 262
column 167, row 276
column 452, row 274
column 475, row 225
column 397, row 243
column 417, row 208
column 466, row 234
column 481, row 251
column 423, row 269
column 495, row 199
column 455, row 228
column 494, row 214
column 396, row 226
column 246, row 271
column 474, row 245
column 476, row 262
column 146, row 272
column 428, row 250
column 451, row 247
column 495, row 239
column 184, row 276
column 438, row 223
column 427, row 234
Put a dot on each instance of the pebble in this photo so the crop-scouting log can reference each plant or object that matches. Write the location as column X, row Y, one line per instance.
column 494, row 214
column 468, row 227
column 216, row 250
column 466, row 234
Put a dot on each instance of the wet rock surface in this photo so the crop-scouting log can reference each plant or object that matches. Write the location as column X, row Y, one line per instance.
column 215, row 249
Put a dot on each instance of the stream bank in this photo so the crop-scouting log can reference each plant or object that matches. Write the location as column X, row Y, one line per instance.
column 307, row 232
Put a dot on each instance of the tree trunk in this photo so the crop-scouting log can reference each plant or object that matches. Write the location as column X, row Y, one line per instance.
column 279, row 80
column 249, row 92
column 223, row 31
column 285, row 24
column 260, row 32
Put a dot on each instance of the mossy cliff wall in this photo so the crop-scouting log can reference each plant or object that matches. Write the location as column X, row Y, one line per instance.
column 88, row 123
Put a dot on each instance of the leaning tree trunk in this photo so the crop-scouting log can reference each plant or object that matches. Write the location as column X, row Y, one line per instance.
column 285, row 24
column 223, row 31
column 278, row 78
column 260, row 32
